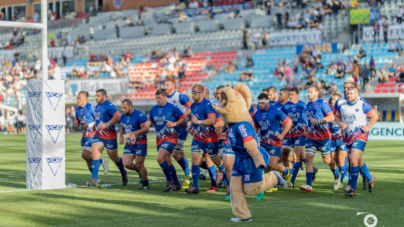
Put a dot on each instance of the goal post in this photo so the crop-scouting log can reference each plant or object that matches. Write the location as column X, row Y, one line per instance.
column 45, row 138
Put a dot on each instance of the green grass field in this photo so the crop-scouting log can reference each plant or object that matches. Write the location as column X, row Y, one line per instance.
column 127, row 206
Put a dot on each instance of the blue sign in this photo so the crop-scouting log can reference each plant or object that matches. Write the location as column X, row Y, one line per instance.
column 374, row 15
column 325, row 48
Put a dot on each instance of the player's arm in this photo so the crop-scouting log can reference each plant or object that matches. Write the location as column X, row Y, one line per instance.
column 178, row 115
column 184, row 100
column 369, row 111
column 121, row 133
column 256, row 125
column 286, row 127
column 329, row 116
column 76, row 122
column 338, row 117
column 144, row 129
column 211, row 120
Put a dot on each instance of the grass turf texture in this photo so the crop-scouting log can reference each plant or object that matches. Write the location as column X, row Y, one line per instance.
column 128, row 206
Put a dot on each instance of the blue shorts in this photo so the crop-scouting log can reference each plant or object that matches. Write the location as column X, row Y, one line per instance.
column 337, row 145
column 86, row 143
column 137, row 149
column 245, row 167
column 291, row 142
column 200, row 147
column 357, row 144
column 318, row 145
column 227, row 151
column 109, row 144
column 272, row 150
column 182, row 134
column 168, row 146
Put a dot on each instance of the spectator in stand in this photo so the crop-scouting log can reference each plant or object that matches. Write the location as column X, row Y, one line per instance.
column 355, row 71
column 383, row 77
column 91, row 32
column 335, row 8
column 250, row 75
column 376, row 31
column 187, row 53
column 332, row 68
column 129, row 22
column 362, row 53
column 393, row 46
column 318, row 64
column 399, row 15
column 256, row 39
column 385, row 26
column 231, row 67
column 400, row 77
column 36, row 17
column 278, row 17
column 309, row 82
column 286, row 16
column 354, row 4
column 146, row 59
column 368, row 89
column 193, row 4
column 399, row 46
column 245, row 38
column 268, row 8
column 249, row 62
column 340, row 73
column 264, row 40
column 318, row 5
column 243, row 76
column 288, row 72
column 316, row 52
column 295, row 63
column 393, row 71
column 128, row 55
column 372, row 67
column 364, row 74
column 116, row 30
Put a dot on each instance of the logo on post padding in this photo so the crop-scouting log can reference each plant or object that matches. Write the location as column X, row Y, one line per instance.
column 54, row 98
column 54, row 131
column 34, row 164
column 54, row 164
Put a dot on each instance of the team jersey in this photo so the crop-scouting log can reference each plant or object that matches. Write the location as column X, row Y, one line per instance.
column 335, row 130
column 355, row 116
column 277, row 104
column 270, row 127
column 103, row 114
column 240, row 133
column 159, row 115
column 318, row 109
column 181, row 101
column 202, row 111
column 85, row 114
column 296, row 112
column 251, row 111
column 133, row 123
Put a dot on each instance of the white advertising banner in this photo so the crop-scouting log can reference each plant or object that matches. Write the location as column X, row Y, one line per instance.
column 112, row 86
column 294, row 38
column 7, row 55
column 57, row 51
column 388, row 131
column 395, row 32
column 45, row 135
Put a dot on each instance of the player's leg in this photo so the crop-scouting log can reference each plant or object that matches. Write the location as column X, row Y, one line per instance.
column 303, row 159
column 113, row 155
column 310, row 153
column 165, row 166
column 97, row 147
column 87, row 156
column 197, row 154
column 217, row 160
column 324, row 147
column 343, row 168
column 128, row 160
column 297, row 153
column 143, row 171
column 179, row 148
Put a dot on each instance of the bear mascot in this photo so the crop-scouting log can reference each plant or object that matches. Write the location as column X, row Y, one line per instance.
column 251, row 160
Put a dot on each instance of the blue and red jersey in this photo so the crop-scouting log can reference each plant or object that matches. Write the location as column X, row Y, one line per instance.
column 240, row 133
column 85, row 114
column 277, row 104
column 335, row 130
column 318, row 109
column 104, row 112
column 296, row 112
column 202, row 111
column 132, row 123
column 268, row 122
column 159, row 115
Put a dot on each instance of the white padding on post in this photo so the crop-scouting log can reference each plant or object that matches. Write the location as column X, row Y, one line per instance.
column 45, row 135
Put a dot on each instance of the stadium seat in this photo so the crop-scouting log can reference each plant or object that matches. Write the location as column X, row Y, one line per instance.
column 237, row 23
column 161, row 29
column 209, row 25
column 185, row 27
column 132, row 32
column 260, row 22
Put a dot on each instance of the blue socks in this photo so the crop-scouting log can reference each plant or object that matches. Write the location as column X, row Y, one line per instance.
column 91, row 170
column 174, row 174
column 335, row 172
column 166, row 169
column 354, row 174
column 212, row 173
column 196, row 171
column 184, row 165
column 120, row 167
column 296, row 167
column 309, row 177
column 285, row 171
column 225, row 178
column 145, row 182
column 365, row 171
column 95, row 167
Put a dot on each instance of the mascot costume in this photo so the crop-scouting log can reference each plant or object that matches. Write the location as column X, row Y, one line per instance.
column 251, row 160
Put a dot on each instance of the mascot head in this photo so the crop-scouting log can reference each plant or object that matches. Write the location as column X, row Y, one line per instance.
column 234, row 104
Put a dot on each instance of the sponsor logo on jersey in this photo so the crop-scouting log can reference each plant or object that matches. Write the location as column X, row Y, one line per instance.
column 357, row 109
column 54, row 164
column 247, row 177
column 138, row 152
column 243, row 131
column 54, row 98
column 109, row 146
column 54, row 131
